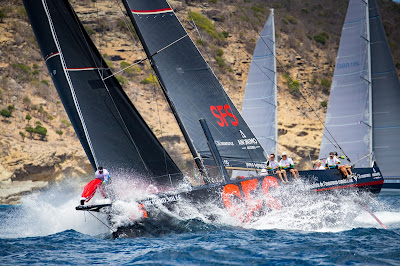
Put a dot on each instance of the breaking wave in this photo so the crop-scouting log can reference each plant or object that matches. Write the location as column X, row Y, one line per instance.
column 53, row 210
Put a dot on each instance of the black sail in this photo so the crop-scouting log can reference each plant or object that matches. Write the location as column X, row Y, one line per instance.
column 110, row 129
column 191, row 87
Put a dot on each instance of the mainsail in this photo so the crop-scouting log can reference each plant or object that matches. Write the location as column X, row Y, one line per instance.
column 191, row 87
column 348, row 118
column 260, row 98
column 385, row 98
column 111, row 131
column 365, row 82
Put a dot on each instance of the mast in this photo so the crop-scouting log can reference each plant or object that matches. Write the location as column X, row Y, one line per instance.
column 275, row 82
column 369, row 82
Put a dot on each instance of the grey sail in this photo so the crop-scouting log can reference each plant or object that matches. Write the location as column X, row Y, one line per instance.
column 385, row 98
column 348, row 117
column 259, row 108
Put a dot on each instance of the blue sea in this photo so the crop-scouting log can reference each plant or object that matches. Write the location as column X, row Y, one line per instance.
column 46, row 229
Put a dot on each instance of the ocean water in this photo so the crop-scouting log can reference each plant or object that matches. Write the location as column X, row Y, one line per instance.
column 46, row 229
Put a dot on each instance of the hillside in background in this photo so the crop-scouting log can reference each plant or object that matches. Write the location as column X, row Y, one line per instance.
column 37, row 143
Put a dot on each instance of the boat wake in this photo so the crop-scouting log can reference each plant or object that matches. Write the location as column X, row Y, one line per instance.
column 50, row 211
column 53, row 210
column 327, row 212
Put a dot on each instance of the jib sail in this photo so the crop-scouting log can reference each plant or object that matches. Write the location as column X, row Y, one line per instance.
column 191, row 87
column 109, row 127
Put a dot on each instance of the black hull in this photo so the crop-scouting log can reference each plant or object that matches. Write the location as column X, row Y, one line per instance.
column 245, row 199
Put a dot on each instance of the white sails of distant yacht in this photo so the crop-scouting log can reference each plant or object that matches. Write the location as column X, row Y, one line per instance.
column 363, row 112
column 260, row 103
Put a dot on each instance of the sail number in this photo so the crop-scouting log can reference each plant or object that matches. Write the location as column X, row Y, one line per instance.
column 221, row 112
column 243, row 205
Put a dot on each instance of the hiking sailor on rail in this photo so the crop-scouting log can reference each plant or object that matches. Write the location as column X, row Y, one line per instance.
column 102, row 178
column 333, row 162
column 273, row 166
column 288, row 164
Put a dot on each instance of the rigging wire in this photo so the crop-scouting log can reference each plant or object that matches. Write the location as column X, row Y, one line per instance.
column 301, row 94
column 155, row 53
column 159, row 117
column 109, row 227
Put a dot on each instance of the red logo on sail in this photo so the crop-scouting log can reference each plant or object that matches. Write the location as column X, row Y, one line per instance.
column 224, row 115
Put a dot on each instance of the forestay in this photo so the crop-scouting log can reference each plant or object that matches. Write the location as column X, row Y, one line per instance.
column 260, row 103
column 109, row 127
column 191, row 87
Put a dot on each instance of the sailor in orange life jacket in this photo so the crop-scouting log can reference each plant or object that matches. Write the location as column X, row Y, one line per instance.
column 102, row 178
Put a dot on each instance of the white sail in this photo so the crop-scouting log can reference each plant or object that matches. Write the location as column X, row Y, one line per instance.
column 260, row 104
column 348, row 118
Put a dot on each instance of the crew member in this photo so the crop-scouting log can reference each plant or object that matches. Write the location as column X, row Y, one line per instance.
column 318, row 165
column 273, row 166
column 102, row 178
column 287, row 164
column 333, row 162
column 348, row 168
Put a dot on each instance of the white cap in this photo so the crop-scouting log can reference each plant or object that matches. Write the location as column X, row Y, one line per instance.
column 284, row 153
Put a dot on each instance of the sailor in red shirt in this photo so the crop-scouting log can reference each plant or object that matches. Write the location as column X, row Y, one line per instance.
column 102, row 178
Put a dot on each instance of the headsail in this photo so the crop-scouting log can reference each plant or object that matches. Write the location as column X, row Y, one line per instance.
column 348, row 116
column 385, row 98
column 191, row 87
column 109, row 127
column 260, row 98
